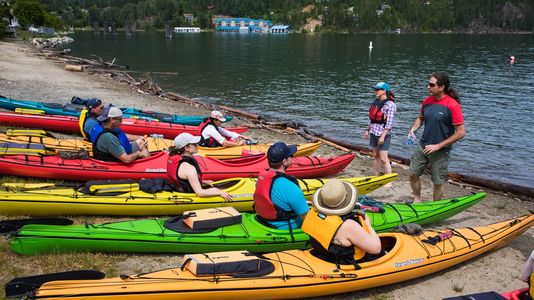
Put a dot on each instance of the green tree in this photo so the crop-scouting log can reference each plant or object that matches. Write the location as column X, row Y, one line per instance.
column 29, row 12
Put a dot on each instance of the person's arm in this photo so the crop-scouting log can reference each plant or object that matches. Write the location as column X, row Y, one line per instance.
column 190, row 173
column 296, row 201
column 367, row 241
column 416, row 125
column 128, row 158
column 133, row 137
column 459, row 132
column 528, row 268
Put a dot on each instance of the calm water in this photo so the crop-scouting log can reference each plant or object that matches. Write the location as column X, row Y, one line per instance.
column 324, row 82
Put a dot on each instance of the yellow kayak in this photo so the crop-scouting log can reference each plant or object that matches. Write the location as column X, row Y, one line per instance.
column 126, row 198
column 55, row 145
column 280, row 275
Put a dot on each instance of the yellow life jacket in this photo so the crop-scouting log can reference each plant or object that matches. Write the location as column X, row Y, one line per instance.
column 323, row 229
column 81, row 122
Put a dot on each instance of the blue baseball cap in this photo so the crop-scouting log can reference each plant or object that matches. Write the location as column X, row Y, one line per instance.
column 382, row 86
column 280, row 151
column 92, row 103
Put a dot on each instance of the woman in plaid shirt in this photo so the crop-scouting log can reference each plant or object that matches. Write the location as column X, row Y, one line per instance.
column 381, row 120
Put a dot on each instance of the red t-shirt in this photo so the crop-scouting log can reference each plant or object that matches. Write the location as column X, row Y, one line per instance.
column 440, row 117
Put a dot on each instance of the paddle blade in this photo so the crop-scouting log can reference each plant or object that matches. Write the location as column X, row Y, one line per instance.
column 26, row 286
column 10, row 226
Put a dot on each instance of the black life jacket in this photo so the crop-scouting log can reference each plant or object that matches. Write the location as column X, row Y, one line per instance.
column 208, row 142
column 375, row 111
column 173, row 165
column 263, row 204
column 97, row 132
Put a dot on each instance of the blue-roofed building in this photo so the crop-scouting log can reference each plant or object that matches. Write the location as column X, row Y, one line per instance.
column 237, row 24
column 280, row 29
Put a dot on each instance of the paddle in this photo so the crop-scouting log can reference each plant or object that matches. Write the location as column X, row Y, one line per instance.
column 27, row 285
column 11, row 226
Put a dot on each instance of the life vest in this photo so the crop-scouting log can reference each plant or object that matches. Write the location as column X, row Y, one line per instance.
column 173, row 165
column 263, row 204
column 323, row 228
column 208, row 142
column 81, row 122
column 376, row 115
column 97, row 131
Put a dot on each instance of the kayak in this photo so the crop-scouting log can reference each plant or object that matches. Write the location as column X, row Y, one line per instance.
column 126, row 199
column 279, row 275
column 69, row 124
column 153, row 235
column 54, row 145
column 74, row 110
column 155, row 166
column 517, row 294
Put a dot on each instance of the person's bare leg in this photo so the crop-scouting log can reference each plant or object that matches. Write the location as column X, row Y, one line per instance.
column 438, row 192
column 385, row 160
column 376, row 161
column 415, row 182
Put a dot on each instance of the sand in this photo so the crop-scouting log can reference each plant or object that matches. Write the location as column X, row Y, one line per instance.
column 24, row 75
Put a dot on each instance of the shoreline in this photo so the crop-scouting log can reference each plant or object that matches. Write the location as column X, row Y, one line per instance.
column 25, row 75
column 522, row 191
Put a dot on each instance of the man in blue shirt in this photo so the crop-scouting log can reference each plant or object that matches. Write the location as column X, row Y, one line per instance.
column 278, row 198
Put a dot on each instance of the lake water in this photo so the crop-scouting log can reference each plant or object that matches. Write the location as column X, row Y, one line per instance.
column 324, row 81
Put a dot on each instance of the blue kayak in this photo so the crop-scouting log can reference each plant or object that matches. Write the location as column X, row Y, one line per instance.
column 77, row 106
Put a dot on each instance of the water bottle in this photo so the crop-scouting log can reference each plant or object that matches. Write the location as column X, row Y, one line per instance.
column 411, row 140
column 251, row 142
column 156, row 136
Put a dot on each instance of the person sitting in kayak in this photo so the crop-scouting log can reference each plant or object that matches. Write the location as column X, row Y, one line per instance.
column 110, row 143
column 338, row 234
column 93, row 109
column 214, row 135
column 278, row 198
column 186, row 173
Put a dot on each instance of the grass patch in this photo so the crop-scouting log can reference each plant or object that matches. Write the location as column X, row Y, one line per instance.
column 457, row 288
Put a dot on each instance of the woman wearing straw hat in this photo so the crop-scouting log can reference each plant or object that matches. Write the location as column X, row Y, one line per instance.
column 337, row 234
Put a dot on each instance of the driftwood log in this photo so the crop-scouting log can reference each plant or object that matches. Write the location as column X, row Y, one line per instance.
column 74, row 68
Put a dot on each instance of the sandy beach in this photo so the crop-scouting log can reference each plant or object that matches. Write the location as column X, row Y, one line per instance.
column 24, row 75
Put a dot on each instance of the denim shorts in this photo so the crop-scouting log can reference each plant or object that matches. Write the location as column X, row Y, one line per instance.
column 438, row 162
column 373, row 142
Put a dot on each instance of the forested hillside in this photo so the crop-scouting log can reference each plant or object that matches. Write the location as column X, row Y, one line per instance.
column 334, row 15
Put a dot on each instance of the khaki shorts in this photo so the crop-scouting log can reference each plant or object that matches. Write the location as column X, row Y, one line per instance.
column 438, row 162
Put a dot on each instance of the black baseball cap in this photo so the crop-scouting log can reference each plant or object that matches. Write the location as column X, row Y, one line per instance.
column 280, row 151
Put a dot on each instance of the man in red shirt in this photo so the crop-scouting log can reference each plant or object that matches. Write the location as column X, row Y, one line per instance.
column 441, row 114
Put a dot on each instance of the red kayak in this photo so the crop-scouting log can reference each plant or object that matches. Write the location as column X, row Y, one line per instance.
column 55, row 167
column 70, row 125
column 517, row 294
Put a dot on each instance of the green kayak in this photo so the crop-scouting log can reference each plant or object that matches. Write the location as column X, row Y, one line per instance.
column 171, row 235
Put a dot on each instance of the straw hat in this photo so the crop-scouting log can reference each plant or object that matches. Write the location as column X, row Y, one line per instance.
column 336, row 197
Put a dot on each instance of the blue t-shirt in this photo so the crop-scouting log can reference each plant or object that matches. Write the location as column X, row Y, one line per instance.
column 88, row 126
column 288, row 196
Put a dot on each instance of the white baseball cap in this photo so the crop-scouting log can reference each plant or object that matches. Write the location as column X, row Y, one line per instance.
column 110, row 112
column 218, row 115
column 183, row 139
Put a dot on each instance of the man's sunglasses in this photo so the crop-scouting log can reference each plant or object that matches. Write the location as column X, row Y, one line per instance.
column 431, row 84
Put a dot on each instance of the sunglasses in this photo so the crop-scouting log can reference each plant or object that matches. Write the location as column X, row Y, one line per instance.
column 431, row 84
column 118, row 118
